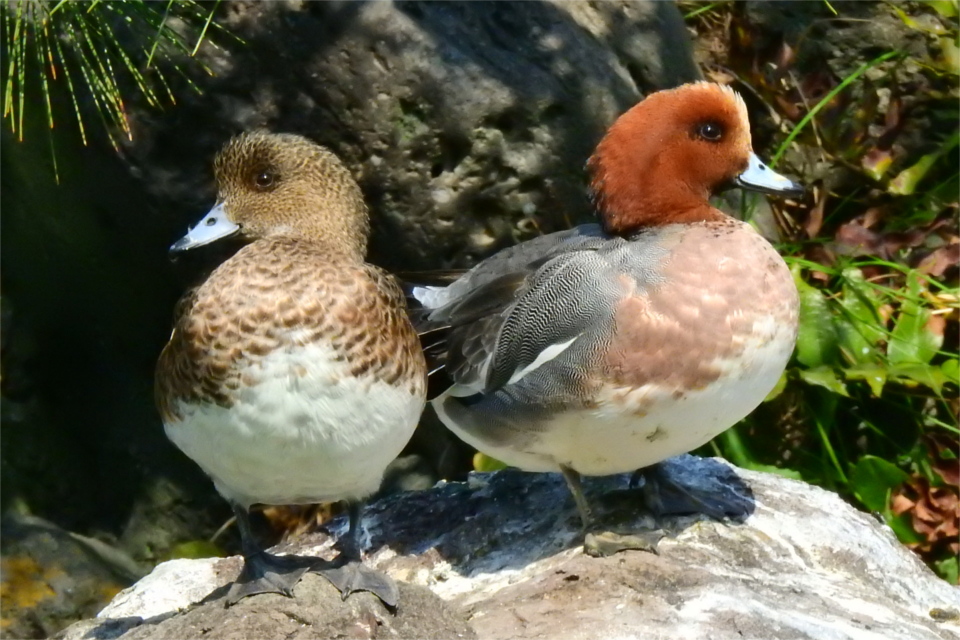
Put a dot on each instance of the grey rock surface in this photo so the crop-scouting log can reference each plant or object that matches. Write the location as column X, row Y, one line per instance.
column 316, row 612
column 467, row 123
column 503, row 552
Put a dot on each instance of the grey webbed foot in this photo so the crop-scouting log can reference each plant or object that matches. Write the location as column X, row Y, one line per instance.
column 264, row 572
column 267, row 573
column 349, row 574
column 354, row 576
column 607, row 543
column 598, row 542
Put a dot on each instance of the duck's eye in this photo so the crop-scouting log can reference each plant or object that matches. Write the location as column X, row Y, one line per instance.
column 710, row 131
column 264, row 180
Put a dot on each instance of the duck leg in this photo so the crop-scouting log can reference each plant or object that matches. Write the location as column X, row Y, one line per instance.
column 351, row 575
column 604, row 543
column 576, row 488
column 263, row 572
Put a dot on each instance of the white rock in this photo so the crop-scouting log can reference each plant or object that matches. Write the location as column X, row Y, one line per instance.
column 171, row 587
column 505, row 548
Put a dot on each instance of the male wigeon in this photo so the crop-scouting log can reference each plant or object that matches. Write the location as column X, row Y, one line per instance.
column 293, row 374
column 611, row 347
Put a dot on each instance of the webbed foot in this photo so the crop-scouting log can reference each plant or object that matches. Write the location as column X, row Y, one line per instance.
column 267, row 573
column 354, row 576
column 601, row 544
column 598, row 542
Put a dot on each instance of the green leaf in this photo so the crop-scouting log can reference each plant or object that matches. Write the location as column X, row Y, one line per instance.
column 911, row 375
column 194, row 549
column 860, row 329
column 946, row 8
column 793, row 474
column 873, row 374
column 902, row 526
column 778, row 388
column 824, row 377
column 951, row 370
column 873, row 478
column 876, row 163
column 817, row 340
column 911, row 341
column 703, row 9
column 484, row 463
column 948, row 569
column 905, row 183
column 950, row 61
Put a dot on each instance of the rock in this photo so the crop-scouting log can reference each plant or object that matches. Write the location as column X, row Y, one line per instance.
column 466, row 124
column 316, row 612
column 52, row 577
column 503, row 550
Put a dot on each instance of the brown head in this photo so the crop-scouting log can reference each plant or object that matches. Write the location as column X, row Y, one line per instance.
column 661, row 160
column 283, row 185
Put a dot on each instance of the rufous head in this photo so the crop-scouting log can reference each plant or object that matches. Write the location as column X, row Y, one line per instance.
column 279, row 184
column 661, row 160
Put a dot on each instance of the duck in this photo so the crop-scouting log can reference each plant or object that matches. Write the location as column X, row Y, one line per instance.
column 293, row 374
column 610, row 347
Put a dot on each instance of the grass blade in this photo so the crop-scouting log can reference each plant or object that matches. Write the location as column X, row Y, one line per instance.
column 826, row 100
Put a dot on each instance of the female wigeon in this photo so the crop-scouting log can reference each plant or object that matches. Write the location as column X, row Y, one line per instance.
column 293, row 374
column 611, row 347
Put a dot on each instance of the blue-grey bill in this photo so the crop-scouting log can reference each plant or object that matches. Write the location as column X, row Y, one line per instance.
column 212, row 227
column 760, row 177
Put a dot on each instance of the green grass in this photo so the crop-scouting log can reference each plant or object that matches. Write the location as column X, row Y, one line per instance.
column 808, row 118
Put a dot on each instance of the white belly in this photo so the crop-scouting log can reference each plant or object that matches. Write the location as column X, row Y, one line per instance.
column 634, row 428
column 304, row 432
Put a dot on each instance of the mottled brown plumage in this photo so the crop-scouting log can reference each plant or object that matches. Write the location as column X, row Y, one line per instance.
column 305, row 269
column 248, row 307
column 293, row 374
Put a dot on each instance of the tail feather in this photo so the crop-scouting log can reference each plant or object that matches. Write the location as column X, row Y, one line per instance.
column 420, row 289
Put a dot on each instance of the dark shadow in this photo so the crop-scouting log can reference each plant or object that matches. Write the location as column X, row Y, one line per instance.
column 113, row 628
column 510, row 518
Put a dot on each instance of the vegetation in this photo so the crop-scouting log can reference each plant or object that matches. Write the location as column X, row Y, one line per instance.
column 96, row 54
column 868, row 406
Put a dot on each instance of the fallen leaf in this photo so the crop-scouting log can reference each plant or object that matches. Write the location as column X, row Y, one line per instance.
column 876, row 162
column 939, row 260
column 901, row 504
column 815, row 218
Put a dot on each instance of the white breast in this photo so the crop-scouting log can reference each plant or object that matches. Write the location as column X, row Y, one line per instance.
column 302, row 431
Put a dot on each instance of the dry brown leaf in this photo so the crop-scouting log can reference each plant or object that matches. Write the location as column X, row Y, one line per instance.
column 939, row 260
column 815, row 219
column 900, row 503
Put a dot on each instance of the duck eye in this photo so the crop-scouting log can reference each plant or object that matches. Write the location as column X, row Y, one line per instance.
column 264, row 180
column 710, row 131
